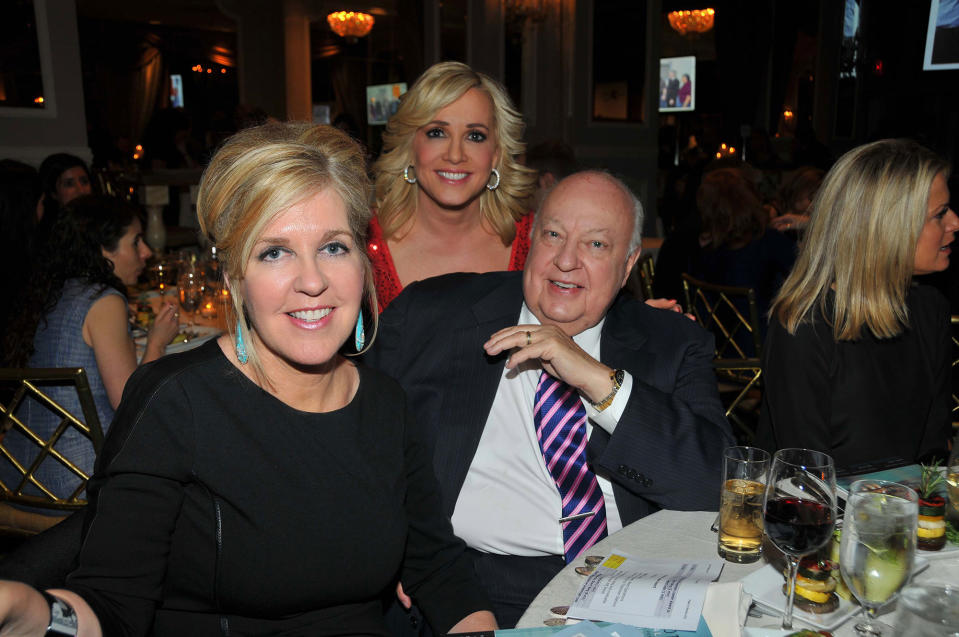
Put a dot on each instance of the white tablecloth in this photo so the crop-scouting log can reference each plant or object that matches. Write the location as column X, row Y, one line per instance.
column 684, row 534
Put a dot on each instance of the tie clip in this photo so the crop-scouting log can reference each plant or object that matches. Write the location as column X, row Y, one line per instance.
column 578, row 516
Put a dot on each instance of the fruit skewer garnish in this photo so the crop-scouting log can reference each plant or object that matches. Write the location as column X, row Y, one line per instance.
column 931, row 531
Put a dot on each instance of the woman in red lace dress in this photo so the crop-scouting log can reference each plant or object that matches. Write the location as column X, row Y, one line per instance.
column 450, row 196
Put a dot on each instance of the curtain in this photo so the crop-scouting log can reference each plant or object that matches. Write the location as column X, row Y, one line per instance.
column 147, row 88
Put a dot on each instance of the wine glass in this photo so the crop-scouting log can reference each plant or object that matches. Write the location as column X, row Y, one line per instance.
column 190, row 285
column 799, row 510
column 878, row 545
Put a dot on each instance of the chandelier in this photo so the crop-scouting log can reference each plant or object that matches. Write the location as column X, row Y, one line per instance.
column 350, row 24
column 695, row 21
column 520, row 10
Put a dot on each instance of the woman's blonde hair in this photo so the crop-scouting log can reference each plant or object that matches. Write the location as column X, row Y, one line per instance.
column 261, row 172
column 861, row 241
column 438, row 87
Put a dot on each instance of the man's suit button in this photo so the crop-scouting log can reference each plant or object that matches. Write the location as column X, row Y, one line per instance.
column 647, row 482
column 622, row 470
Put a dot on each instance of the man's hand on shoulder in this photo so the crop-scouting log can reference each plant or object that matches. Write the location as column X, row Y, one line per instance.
column 559, row 355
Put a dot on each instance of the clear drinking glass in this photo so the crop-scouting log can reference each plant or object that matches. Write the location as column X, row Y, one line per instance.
column 930, row 610
column 878, row 545
column 745, row 470
column 799, row 509
column 190, row 285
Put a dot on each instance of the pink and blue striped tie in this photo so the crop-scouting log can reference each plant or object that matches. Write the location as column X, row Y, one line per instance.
column 560, row 421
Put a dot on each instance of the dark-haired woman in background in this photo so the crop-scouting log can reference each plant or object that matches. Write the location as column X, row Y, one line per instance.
column 736, row 246
column 857, row 359
column 19, row 227
column 63, row 178
column 733, row 245
column 74, row 314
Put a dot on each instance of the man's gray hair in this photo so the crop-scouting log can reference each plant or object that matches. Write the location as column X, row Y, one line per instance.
column 636, row 241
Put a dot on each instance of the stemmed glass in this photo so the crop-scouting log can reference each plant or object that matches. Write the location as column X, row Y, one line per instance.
column 799, row 509
column 878, row 545
column 190, row 285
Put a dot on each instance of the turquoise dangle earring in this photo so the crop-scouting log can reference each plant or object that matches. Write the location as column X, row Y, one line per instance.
column 360, row 336
column 241, row 354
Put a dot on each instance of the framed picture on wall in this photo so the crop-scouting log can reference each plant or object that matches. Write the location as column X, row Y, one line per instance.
column 382, row 100
column 942, row 36
column 677, row 84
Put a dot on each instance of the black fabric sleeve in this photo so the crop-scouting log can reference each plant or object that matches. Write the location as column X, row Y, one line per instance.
column 437, row 573
column 797, row 388
column 134, row 499
column 939, row 350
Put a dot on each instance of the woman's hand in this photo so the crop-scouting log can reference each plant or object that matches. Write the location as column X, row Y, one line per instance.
column 164, row 329
column 23, row 610
column 790, row 221
column 478, row 622
column 669, row 304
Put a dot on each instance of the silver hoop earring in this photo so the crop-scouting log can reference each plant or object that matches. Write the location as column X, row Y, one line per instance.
column 412, row 180
column 495, row 173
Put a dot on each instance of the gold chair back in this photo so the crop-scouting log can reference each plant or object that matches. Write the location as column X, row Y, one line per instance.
column 735, row 327
column 647, row 271
column 955, row 361
column 32, row 384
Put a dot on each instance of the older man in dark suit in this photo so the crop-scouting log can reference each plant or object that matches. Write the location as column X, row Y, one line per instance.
column 559, row 410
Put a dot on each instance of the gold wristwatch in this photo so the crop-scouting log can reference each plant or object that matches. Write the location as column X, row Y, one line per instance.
column 617, row 376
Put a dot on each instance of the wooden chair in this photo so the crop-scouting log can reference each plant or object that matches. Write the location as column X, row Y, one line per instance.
column 33, row 384
column 731, row 314
column 647, row 271
column 955, row 362
column 640, row 281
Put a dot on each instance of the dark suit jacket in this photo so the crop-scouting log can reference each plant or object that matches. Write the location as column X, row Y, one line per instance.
column 666, row 451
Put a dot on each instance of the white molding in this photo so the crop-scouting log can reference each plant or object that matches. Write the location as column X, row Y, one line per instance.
column 49, row 110
column 34, row 155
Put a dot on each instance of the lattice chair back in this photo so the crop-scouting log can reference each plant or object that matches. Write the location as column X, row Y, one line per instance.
column 647, row 272
column 955, row 362
column 729, row 312
column 28, row 488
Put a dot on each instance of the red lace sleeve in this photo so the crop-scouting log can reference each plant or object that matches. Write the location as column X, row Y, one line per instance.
column 385, row 278
column 517, row 258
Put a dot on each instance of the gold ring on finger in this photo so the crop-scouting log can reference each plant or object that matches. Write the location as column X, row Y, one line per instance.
column 528, row 338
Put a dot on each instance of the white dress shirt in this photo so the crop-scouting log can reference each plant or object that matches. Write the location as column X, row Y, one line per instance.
column 509, row 503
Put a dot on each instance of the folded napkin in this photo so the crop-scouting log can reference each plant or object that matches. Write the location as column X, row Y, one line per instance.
column 725, row 608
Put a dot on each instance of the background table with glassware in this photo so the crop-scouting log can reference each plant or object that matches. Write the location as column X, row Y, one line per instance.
column 194, row 284
column 687, row 535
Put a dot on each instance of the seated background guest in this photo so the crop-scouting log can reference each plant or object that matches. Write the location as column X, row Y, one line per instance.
column 19, row 231
column 450, row 196
column 552, row 160
column 857, row 359
column 733, row 245
column 641, row 411
column 264, row 484
column 63, row 178
column 74, row 313
column 794, row 198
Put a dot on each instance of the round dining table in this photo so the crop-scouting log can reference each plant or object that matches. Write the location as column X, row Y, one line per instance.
column 687, row 535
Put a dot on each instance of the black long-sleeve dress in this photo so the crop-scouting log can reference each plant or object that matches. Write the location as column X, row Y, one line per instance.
column 218, row 509
column 860, row 401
